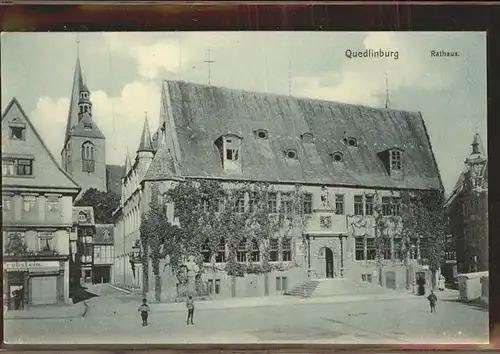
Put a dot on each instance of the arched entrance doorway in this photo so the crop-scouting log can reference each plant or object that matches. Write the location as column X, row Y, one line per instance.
column 329, row 262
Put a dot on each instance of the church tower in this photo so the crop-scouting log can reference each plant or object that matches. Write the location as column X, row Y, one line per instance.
column 84, row 150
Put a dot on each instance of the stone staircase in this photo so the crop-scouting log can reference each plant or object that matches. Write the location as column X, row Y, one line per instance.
column 336, row 286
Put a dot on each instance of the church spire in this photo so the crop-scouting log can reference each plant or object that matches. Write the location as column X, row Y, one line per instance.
column 146, row 143
column 128, row 164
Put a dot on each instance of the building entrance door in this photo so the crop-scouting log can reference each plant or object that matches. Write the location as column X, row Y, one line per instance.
column 329, row 262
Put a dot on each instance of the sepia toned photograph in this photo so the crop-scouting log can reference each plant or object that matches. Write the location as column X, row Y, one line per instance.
column 244, row 187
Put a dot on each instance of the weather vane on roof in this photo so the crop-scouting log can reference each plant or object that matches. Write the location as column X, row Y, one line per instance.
column 387, row 101
column 209, row 62
column 77, row 43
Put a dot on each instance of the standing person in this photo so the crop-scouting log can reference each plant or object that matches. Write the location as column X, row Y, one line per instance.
column 432, row 301
column 190, row 308
column 144, row 308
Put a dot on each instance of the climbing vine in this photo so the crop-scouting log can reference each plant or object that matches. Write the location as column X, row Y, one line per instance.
column 211, row 214
column 420, row 217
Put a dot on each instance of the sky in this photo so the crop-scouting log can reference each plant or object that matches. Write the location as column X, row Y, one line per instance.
column 123, row 71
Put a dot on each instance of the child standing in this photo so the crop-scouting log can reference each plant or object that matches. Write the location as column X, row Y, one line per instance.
column 190, row 308
column 432, row 301
column 144, row 308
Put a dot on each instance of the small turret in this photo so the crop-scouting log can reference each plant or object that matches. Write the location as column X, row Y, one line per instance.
column 84, row 104
column 145, row 151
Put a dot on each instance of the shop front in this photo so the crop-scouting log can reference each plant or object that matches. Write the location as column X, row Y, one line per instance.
column 31, row 283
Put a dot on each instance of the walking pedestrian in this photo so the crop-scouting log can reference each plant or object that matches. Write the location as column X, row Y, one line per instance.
column 190, row 308
column 144, row 309
column 432, row 301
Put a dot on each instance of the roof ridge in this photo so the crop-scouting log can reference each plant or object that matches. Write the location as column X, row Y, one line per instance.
column 278, row 95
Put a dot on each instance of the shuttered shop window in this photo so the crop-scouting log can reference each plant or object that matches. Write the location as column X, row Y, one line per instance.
column 43, row 290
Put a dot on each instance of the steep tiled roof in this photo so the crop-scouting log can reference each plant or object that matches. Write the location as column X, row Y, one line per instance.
column 104, row 234
column 197, row 115
column 75, row 96
column 114, row 175
column 46, row 171
column 89, row 214
column 81, row 130
column 162, row 166
column 146, row 144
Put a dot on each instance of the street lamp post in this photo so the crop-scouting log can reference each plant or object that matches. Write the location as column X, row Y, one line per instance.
column 413, row 267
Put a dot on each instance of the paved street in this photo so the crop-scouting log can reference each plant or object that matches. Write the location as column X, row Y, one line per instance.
column 113, row 318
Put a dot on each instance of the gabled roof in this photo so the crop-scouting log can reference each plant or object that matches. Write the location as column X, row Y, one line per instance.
column 80, row 128
column 47, row 172
column 197, row 115
column 128, row 164
column 162, row 167
column 89, row 215
column 104, row 234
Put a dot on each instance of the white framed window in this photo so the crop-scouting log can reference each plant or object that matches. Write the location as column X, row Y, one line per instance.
column 286, row 203
column 82, row 217
column 272, row 203
column 358, row 205
column 255, row 253
column 220, row 255
column 286, row 249
column 241, row 252
column 6, row 203
column 273, row 250
column 46, row 241
column 360, row 248
column 29, row 204
column 53, row 204
column 396, row 160
column 339, row 204
column 240, row 203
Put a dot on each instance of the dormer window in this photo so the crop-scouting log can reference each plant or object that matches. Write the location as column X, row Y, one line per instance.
column 291, row 154
column 338, row 156
column 82, row 217
column 351, row 141
column 230, row 151
column 307, row 138
column 261, row 134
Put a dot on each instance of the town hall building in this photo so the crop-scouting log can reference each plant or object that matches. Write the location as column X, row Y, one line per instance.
column 345, row 157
